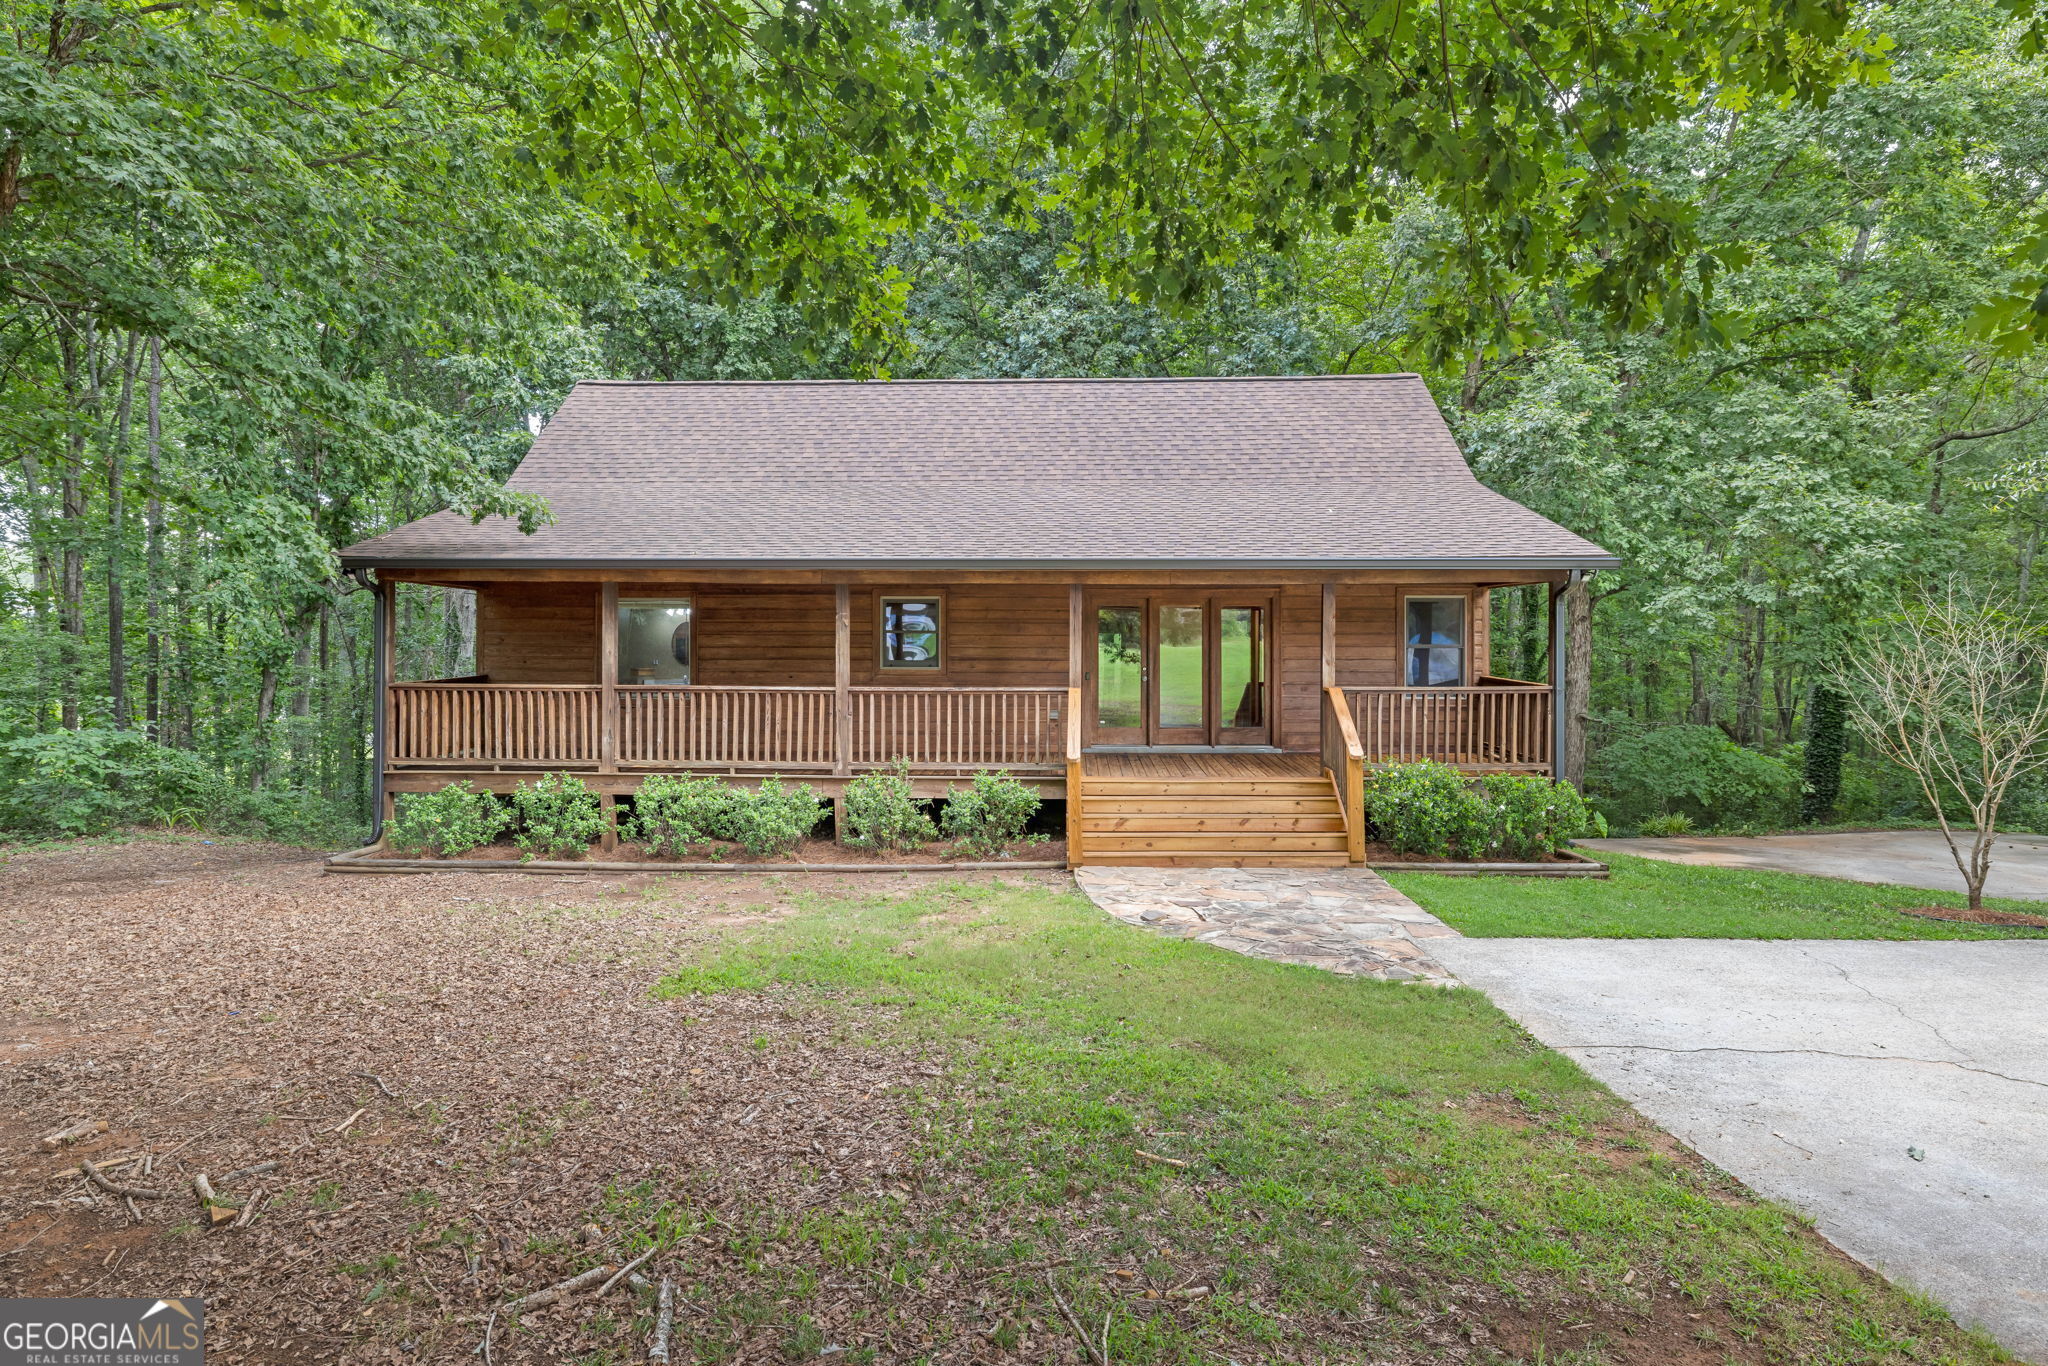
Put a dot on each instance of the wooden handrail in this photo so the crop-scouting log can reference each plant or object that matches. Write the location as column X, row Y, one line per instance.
column 1344, row 757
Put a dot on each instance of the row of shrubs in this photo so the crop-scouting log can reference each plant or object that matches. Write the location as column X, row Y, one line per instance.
column 680, row 816
column 1432, row 810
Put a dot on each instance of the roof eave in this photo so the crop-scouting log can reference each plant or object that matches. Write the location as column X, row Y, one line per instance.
column 1521, row 562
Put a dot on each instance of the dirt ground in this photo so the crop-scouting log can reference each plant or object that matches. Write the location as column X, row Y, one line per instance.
column 220, row 1006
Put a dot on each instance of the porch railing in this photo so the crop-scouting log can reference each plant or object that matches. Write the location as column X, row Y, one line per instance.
column 448, row 723
column 496, row 723
column 1503, row 725
column 740, row 727
column 960, row 727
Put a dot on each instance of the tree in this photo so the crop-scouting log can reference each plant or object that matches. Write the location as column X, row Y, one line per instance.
column 1955, row 691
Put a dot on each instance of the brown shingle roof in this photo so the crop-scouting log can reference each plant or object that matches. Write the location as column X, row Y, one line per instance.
column 1325, row 470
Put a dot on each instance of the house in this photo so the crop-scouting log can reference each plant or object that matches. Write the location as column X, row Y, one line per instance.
column 1192, row 609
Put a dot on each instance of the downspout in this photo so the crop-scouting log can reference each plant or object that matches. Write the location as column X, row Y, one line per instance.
column 379, row 667
column 1558, row 644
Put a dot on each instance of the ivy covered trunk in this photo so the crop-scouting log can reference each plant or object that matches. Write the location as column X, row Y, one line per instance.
column 1826, row 715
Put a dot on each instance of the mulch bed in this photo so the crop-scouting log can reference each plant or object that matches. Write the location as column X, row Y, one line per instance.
column 1983, row 915
column 1385, row 853
column 810, row 851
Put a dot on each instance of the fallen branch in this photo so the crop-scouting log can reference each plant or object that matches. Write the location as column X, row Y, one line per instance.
column 558, row 1290
column 92, row 1174
column 664, row 1320
column 248, row 1209
column 350, row 1120
column 83, row 1129
column 168, row 1152
column 71, row 1173
column 1162, row 1161
column 376, row 1081
column 1095, row 1353
column 257, row 1170
column 627, row 1269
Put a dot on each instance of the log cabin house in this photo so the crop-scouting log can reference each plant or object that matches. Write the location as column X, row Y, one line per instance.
column 1191, row 609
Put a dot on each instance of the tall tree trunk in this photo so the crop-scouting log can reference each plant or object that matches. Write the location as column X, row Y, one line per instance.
column 266, row 698
column 1702, row 711
column 153, row 549
column 117, row 548
column 1578, row 680
column 80, row 355
column 1535, row 633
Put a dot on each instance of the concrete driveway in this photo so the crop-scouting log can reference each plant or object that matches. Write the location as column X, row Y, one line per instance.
column 1896, row 1092
column 1910, row 858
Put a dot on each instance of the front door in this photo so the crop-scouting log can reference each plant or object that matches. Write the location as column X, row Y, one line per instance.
column 1180, row 669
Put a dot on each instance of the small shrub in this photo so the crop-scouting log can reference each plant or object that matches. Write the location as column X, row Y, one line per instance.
column 1528, row 818
column 672, row 813
column 559, row 817
column 454, row 820
column 773, row 820
column 1427, row 809
column 989, row 813
column 881, row 812
column 1665, row 826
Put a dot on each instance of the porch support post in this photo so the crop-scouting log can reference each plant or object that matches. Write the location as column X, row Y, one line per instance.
column 608, row 708
column 381, row 640
column 842, row 679
column 1077, row 679
column 1077, row 639
column 1558, row 717
column 1329, row 635
column 608, row 678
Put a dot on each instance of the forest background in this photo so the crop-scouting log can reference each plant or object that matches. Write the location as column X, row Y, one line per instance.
column 1750, row 295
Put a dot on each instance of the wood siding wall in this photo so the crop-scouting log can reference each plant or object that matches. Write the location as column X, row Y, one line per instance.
column 996, row 635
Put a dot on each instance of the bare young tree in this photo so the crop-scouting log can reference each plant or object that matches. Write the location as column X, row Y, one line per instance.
column 1955, row 691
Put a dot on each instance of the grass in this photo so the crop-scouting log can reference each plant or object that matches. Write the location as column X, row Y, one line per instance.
column 1364, row 1162
column 1654, row 899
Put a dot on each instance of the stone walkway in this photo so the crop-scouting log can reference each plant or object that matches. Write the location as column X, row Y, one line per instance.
column 1344, row 920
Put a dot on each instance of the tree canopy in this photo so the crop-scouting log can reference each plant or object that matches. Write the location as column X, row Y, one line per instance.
column 1744, row 291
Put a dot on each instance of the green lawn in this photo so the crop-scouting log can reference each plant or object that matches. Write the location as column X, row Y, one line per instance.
column 1652, row 899
column 1368, row 1171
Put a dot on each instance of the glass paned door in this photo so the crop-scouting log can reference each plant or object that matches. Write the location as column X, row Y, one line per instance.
column 1120, row 672
column 1241, row 700
column 1180, row 675
column 1181, row 670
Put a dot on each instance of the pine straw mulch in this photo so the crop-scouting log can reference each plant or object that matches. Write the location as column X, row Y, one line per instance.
column 229, row 1002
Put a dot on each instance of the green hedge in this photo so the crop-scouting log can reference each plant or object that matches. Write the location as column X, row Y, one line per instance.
column 1433, row 811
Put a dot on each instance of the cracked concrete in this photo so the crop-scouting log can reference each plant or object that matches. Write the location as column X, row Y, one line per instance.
column 1815, row 1071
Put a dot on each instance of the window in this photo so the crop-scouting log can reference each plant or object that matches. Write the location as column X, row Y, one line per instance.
column 654, row 640
column 910, row 633
column 1436, row 642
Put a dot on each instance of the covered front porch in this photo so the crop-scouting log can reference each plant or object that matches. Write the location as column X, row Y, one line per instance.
column 1147, row 708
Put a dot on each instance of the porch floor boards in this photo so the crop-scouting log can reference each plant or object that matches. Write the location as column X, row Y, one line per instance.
column 1199, row 767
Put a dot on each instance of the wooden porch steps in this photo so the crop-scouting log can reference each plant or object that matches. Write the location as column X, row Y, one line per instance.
column 1212, row 822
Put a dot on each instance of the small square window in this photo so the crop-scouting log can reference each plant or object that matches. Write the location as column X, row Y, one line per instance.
column 1436, row 643
column 910, row 633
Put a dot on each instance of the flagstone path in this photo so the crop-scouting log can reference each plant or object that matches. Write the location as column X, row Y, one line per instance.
column 1346, row 920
